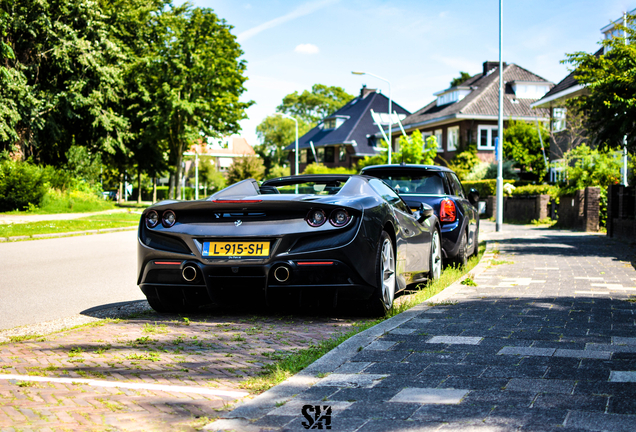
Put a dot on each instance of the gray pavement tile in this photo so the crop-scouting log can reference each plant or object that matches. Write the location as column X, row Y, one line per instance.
column 592, row 421
column 606, row 388
column 516, row 418
column 450, row 413
column 624, row 356
column 571, row 402
column 380, row 356
column 515, row 371
column 624, row 340
column 274, row 421
column 459, row 340
column 351, row 380
column 383, row 425
column 295, row 406
column 444, row 370
column 474, row 383
column 623, row 376
column 402, row 331
column 429, row 396
column 338, row 423
column 520, row 400
column 380, row 345
column 418, row 321
column 401, row 368
column 490, row 360
column 317, row 393
column 386, row 410
column 565, row 362
column 376, row 394
column 435, row 357
column 352, row 367
column 527, row 351
column 541, row 385
column 402, row 381
column 601, row 355
column 611, row 348
column 622, row 405
column 585, row 374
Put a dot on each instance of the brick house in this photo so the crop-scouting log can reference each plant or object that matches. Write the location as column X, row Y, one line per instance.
column 467, row 113
column 347, row 135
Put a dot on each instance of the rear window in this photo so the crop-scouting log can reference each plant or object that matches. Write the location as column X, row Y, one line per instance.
column 310, row 188
column 430, row 183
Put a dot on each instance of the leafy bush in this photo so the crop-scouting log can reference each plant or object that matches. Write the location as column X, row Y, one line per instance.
column 543, row 189
column 72, row 201
column 315, row 168
column 244, row 168
column 464, row 162
column 587, row 167
column 484, row 187
column 21, row 184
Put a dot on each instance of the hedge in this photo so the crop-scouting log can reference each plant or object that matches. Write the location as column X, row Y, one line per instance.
column 484, row 187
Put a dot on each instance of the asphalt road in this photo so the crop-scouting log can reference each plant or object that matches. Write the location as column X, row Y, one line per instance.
column 48, row 279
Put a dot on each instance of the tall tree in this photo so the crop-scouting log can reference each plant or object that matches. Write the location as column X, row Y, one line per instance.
column 275, row 133
column 463, row 76
column 611, row 80
column 196, row 79
column 313, row 106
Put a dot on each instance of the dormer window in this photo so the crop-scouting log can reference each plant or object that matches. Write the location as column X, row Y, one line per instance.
column 334, row 122
column 529, row 89
column 452, row 95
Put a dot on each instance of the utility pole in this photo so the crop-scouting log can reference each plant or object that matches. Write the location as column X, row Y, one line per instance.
column 499, row 144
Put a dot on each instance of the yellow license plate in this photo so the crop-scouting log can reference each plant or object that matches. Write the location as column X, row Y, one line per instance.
column 223, row 249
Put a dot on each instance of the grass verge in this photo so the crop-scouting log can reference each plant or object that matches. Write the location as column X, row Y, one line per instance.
column 291, row 364
column 112, row 220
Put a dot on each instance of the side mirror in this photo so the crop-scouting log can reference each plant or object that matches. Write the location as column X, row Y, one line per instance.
column 423, row 212
column 473, row 197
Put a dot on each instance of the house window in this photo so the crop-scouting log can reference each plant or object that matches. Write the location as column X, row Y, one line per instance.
column 438, row 137
column 558, row 119
column 329, row 123
column 487, row 135
column 342, row 154
column 309, row 156
column 329, row 155
column 425, row 136
column 453, row 138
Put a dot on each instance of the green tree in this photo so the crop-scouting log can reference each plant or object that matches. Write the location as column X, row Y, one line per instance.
column 244, row 168
column 414, row 151
column 611, row 81
column 587, row 167
column 275, row 133
column 313, row 106
column 465, row 161
column 463, row 76
column 523, row 146
column 195, row 79
column 209, row 177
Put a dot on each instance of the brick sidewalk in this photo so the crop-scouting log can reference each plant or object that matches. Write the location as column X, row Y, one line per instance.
column 210, row 356
column 545, row 340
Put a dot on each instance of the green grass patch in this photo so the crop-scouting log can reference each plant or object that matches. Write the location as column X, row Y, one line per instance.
column 103, row 221
column 469, row 281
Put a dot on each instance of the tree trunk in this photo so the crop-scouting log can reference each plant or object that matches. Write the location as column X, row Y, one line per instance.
column 179, row 171
column 154, row 190
column 120, row 192
column 171, row 187
column 138, row 185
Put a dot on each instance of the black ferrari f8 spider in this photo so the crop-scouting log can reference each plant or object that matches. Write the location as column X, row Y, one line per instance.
column 311, row 239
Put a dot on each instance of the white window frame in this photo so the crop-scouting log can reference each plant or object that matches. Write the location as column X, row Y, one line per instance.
column 439, row 135
column 453, row 138
column 559, row 119
column 490, row 144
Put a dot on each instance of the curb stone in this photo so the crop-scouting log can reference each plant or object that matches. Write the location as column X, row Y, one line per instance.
column 249, row 410
column 66, row 234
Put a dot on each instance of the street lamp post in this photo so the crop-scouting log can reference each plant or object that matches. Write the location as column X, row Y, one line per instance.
column 390, row 108
column 296, row 149
column 500, row 135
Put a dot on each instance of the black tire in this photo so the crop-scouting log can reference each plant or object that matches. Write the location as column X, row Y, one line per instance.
column 435, row 258
column 476, row 242
column 382, row 299
column 462, row 254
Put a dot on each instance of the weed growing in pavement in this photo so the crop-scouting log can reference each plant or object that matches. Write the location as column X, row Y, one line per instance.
column 631, row 299
column 75, row 352
column 27, row 384
column 151, row 356
column 26, row 337
column 469, row 281
column 156, row 328
column 110, row 405
column 500, row 262
column 103, row 349
column 238, row 338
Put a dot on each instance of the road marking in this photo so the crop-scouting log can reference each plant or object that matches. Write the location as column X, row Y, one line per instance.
column 133, row 386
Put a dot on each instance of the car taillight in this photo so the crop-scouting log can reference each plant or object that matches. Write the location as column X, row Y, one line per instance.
column 152, row 219
column 168, row 218
column 447, row 211
column 339, row 218
column 316, row 218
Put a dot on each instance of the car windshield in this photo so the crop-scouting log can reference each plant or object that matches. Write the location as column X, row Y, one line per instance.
column 412, row 183
column 312, row 188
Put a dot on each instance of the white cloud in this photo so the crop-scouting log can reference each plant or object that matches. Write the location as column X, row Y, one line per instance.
column 307, row 49
column 300, row 11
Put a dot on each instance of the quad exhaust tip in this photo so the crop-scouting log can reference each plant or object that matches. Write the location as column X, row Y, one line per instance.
column 189, row 273
column 281, row 274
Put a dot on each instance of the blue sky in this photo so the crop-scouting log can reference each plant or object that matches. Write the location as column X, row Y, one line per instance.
column 419, row 46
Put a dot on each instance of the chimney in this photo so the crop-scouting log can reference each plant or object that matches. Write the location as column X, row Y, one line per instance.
column 490, row 65
column 364, row 91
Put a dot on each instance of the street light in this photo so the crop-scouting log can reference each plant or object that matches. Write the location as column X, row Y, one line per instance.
column 500, row 134
column 296, row 151
column 390, row 106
